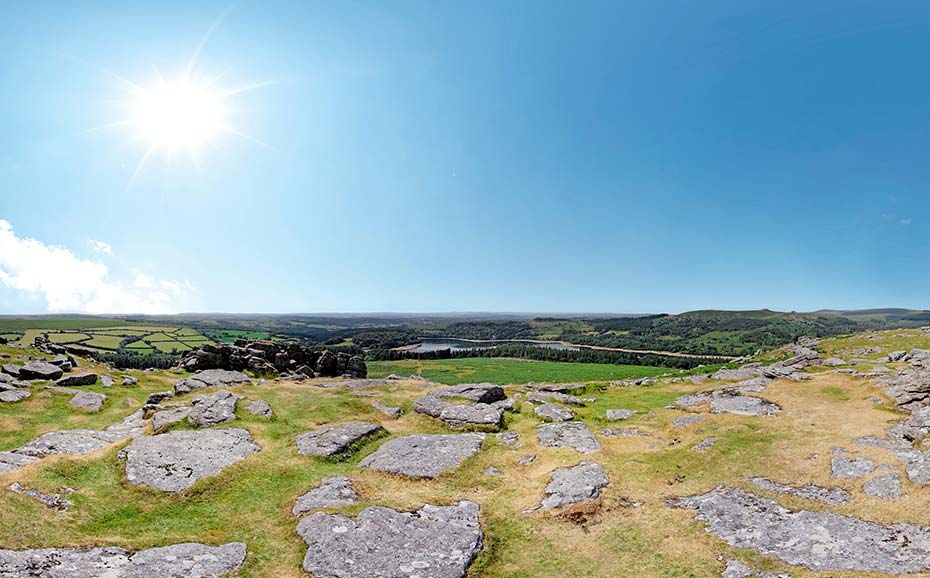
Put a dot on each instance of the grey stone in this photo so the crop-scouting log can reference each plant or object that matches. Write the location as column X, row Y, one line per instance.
column 392, row 412
column 918, row 468
column 559, row 387
column 51, row 501
column 78, row 379
column 13, row 395
column 526, row 460
column 434, row 542
column 686, row 420
column 173, row 461
column 106, row 380
column 818, row 541
column 743, row 405
column 693, row 400
column 88, row 400
column 726, row 374
column 575, row 484
column 509, row 438
column 424, row 455
column 623, row 432
column 833, row 362
column 704, row 445
column 620, row 414
column 39, row 370
column 550, row 396
column 66, row 442
column 10, row 461
column 754, row 385
column 260, row 407
column 832, row 496
column 552, row 412
column 213, row 409
column 477, row 392
column 331, row 493
column 64, row 563
column 570, row 434
column 844, row 467
column 129, row 380
column 210, row 378
column 11, row 369
column 887, row 487
column 167, row 417
column 186, row 561
column 331, row 440
column 737, row 569
column 492, row 471
column 159, row 397
column 472, row 414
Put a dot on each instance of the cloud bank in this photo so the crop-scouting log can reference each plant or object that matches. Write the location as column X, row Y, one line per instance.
column 68, row 283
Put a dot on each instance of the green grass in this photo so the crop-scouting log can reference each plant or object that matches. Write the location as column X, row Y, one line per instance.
column 104, row 341
column 503, row 371
column 67, row 337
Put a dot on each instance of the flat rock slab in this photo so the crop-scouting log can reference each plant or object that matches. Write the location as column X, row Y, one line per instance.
column 686, row 420
column 549, row 396
column 575, row 484
column 477, row 392
column 887, row 487
column 434, row 542
column 210, row 378
column 832, row 496
column 846, row 467
column 424, row 455
column 390, row 411
column 77, row 379
column 10, row 461
column 39, row 370
column 14, row 395
column 173, row 461
column 737, row 569
column 620, row 414
column 88, row 400
column 743, row 405
column 177, row 561
column 331, row 440
column 552, row 412
column 167, row 417
column 572, row 435
column 210, row 410
column 261, row 408
column 818, row 541
column 332, row 492
column 72, row 442
column 509, row 438
column 705, row 445
column 472, row 414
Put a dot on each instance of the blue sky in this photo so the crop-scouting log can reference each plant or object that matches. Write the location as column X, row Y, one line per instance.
column 471, row 156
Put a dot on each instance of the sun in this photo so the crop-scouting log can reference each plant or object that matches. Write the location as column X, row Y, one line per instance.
column 179, row 115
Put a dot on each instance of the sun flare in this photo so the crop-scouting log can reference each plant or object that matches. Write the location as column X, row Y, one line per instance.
column 178, row 115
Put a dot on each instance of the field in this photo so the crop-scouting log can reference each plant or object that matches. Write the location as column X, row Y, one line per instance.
column 93, row 334
column 497, row 370
column 629, row 531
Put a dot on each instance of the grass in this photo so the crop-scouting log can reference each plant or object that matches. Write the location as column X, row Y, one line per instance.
column 501, row 370
column 631, row 531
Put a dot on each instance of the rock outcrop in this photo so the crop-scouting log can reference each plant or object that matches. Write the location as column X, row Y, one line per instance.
column 575, row 484
column 331, row 440
column 273, row 358
column 332, row 492
column 424, row 455
column 210, row 378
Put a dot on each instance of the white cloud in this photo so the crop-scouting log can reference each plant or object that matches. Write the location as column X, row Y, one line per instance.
column 906, row 221
column 101, row 247
column 68, row 283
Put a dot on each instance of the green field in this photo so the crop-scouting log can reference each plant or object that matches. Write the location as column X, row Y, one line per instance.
column 96, row 334
column 478, row 369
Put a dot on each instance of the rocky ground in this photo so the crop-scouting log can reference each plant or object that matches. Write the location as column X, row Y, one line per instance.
column 809, row 462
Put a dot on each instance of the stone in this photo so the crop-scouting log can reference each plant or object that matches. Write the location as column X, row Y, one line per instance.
column 753, row 385
column 165, row 418
column 265, row 357
column 833, row 362
column 509, row 438
column 129, row 380
column 10, row 461
column 88, row 400
column 887, row 487
column 11, row 369
column 13, row 395
column 477, row 392
column 895, row 356
column 189, row 560
column 623, row 432
column 571, row 434
column 552, row 412
column 526, row 460
column 331, row 440
column 174, row 461
column 550, row 396
column 844, row 467
column 558, row 387
column 106, row 380
column 726, row 374
column 66, row 442
column 260, row 407
column 424, row 455
column 492, row 471
column 159, row 397
column 77, row 379
column 686, row 420
column 64, row 563
column 472, row 414
column 743, row 405
column 694, row 399
column 332, row 492
column 210, row 410
column 575, row 484
column 818, row 541
column 737, row 569
column 40, row 370
column 620, row 414
column 704, row 445
column 51, row 501
column 391, row 412
column 434, row 542
column 918, row 468
column 210, row 378
column 831, row 496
